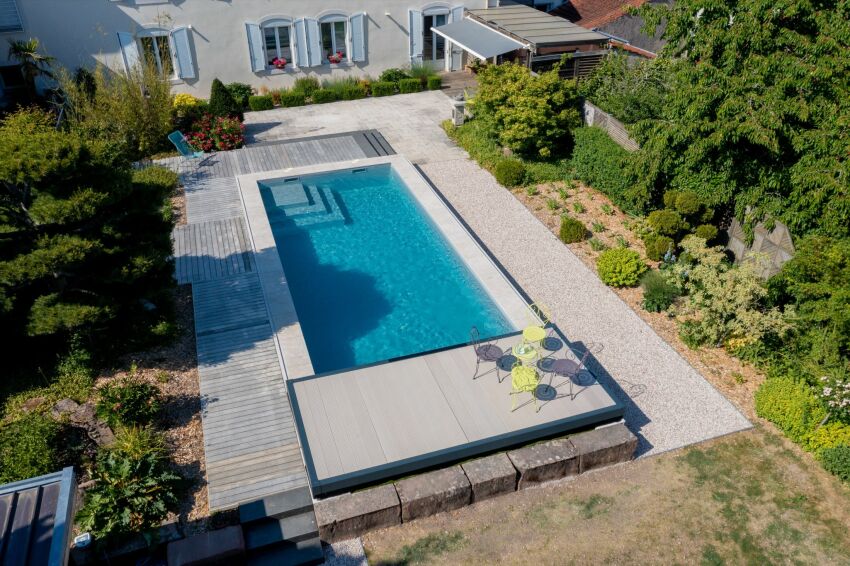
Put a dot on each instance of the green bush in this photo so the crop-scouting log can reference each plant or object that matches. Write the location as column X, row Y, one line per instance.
column 222, row 102
column 290, row 98
column 658, row 246
column 353, row 92
column 791, row 405
column 406, row 86
column 261, row 102
column 836, row 461
column 707, row 232
column 383, row 88
column 830, row 435
column 240, row 92
column 324, row 95
column 686, row 203
column 600, row 163
column 435, row 83
column 128, row 402
column 306, row 85
column 667, row 222
column 620, row 267
column 572, row 230
column 393, row 76
column 160, row 180
column 134, row 487
column 509, row 172
column 28, row 447
column 658, row 293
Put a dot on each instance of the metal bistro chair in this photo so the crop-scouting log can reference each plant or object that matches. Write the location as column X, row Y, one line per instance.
column 540, row 328
column 487, row 352
column 568, row 368
column 524, row 379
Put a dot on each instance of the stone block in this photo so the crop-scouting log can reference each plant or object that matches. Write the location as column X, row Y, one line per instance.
column 353, row 514
column 490, row 476
column 224, row 546
column 433, row 492
column 545, row 461
column 604, row 446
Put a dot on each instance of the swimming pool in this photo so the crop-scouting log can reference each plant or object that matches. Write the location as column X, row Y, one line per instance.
column 371, row 277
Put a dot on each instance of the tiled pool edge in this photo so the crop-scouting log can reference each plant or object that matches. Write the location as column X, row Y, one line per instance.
column 287, row 330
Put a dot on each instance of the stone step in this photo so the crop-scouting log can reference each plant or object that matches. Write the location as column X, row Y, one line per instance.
column 290, row 195
column 305, row 553
column 277, row 506
column 329, row 214
column 268, row 532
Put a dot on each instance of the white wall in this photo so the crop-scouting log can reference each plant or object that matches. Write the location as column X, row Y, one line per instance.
column 79, row 32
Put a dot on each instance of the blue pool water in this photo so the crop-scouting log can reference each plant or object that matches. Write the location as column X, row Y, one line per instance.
column 371, row 277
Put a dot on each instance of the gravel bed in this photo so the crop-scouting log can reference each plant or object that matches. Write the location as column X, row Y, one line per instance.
column 345, row 553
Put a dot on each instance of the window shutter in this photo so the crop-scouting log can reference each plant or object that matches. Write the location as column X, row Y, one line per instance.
column 357, row 23
column 300, row 40
column 183, row 53
column 314, row 43
column 10, row 19
column 415, row 17
column 129, row 50
column 255, row 47
column 457, row 13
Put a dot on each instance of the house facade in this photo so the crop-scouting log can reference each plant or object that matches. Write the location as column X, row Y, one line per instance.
column 260, row 42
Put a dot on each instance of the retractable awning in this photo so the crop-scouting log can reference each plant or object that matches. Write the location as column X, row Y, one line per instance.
column 478, row 39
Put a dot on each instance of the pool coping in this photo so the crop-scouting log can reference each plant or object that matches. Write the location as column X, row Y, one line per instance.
column 286, row 328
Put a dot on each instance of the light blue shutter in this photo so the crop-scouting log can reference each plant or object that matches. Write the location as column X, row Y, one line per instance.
column 183, row 52
column 255, row 47
column 457, row 13
column 300, row 32
column 415, row 17
column 358, row 37
column 314, row 43
column 10, row 19
column 129, row 50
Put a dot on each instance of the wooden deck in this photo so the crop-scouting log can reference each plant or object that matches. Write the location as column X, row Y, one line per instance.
column 373, row 423
column 250, row 442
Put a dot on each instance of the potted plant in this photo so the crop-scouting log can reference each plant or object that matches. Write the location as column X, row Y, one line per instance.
column 336, row 58
column 279, row 62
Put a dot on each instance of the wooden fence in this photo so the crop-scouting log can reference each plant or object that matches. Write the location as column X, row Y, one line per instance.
column 595, row 116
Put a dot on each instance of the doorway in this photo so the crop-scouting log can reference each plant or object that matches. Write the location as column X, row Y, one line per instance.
column 433, row 45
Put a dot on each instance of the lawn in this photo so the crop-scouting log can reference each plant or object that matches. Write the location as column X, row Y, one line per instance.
column 750, row 498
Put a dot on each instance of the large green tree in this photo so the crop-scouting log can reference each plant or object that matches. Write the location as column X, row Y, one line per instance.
column 84, row 241
column 758, row 117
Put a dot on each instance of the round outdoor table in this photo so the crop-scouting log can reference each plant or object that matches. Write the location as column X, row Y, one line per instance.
column 525, row 352
column 533, row 334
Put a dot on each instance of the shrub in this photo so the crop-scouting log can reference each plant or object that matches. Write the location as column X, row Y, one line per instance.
column 620, row 267
column 830, row 435
column 157, row 182
column 241, row 93
column 406, row 86
column 658, row 246
column 306, row 85
column 836, row 461
column 509, row 172
column 134, row 488
column 128, row 402
column 383, row 88
column 290, row 98
column 393, row 76
column 791, row 405
column 353, row 92
column 263, row 102
column 28, row 447
column 183, row 102
column 324, row 95
column 707, row 232
column 222, row 102
column 572, row 230
column 658, row 293
column 435, row 83
column 219, row 133
column 666, row 222
column 601, row 164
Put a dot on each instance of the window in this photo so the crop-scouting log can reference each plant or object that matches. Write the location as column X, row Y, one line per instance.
column 333, row 41
column 277, row 44
column 156, row 49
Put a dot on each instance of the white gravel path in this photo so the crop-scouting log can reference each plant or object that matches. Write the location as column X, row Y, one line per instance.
column 345, row 553
column 669, row 404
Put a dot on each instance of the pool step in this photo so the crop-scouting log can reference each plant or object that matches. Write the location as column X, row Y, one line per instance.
column 290, row 195
column 325, row 212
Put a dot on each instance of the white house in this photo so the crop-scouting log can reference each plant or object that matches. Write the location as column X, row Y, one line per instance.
column 195, row 41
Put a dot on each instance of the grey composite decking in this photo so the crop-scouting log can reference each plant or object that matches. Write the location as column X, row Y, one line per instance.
column 372, row 423
column 250, row 442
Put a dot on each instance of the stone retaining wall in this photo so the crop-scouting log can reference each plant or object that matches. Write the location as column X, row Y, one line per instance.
column 353, row 514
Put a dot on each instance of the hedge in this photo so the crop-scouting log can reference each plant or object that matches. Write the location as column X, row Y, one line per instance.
column 322, row 96
column 791, row 405
column 290, row 98
column 600, row 163
column 435, row 83
column 383, row 89
column 262, row 102
column 406, row 86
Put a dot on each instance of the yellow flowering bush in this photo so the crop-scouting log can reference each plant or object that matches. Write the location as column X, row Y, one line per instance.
column 183, row 101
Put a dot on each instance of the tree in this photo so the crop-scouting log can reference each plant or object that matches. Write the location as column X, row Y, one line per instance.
column 84, row 241
column 33, row 64
column 758, row 112
column 222, row 102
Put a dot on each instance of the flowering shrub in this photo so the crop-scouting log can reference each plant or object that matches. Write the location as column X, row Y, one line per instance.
column 279, row 62
column 836, row 392
column 216, row 133
column 183, row 102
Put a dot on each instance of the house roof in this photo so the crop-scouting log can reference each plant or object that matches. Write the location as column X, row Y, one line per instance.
column 536, row 27
column 592, row 14
column 36, row 518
